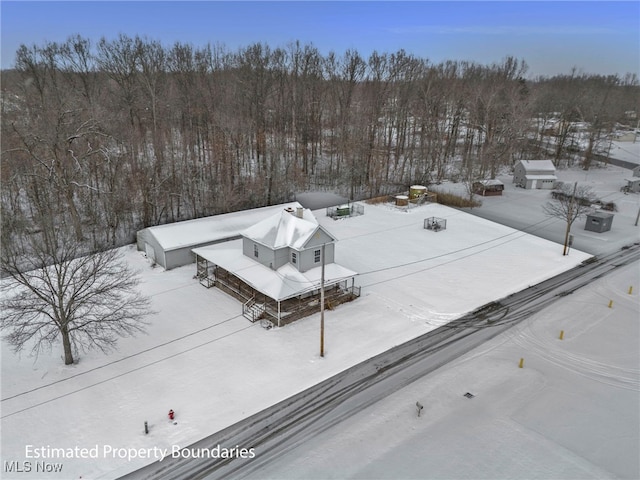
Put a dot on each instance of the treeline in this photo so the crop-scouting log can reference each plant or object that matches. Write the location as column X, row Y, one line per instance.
column 111, row 137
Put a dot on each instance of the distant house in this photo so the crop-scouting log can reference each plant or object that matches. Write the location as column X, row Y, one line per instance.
column 276, row 267
column 170, row 245
column 488, row 188
column 636, row 171
column 633, row 185
column 535, row 174
column 625, row 136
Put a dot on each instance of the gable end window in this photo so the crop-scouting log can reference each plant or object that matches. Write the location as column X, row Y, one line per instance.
column 316, row 256
column 255, row 250
column 294, row 258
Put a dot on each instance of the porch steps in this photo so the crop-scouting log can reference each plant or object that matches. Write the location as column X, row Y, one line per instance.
column 252, row 311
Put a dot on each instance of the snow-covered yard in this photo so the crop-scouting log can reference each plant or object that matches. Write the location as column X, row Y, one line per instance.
column 522, row 209
column 572, row 412
column 204, row 360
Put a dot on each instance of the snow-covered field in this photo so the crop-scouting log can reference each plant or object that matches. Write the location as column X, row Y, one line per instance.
column 204, row 360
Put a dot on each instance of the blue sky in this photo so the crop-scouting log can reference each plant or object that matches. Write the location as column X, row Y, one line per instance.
column 552, row 37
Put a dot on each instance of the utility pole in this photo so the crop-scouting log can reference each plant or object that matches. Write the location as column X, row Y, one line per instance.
column 569, row 220
column 322, row 305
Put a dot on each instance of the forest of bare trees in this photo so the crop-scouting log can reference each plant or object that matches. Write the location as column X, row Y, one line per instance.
column 105, row 139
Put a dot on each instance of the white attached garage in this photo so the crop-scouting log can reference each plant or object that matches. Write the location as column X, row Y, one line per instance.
column 170, row 245
column 150, row 251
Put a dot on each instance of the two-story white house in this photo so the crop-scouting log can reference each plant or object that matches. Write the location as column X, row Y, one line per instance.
column 276, row 268
column 535, row 174
column 292, row 236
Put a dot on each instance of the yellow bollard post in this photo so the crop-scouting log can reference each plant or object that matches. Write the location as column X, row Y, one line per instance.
column 521, row 363
column 610, row 303
column 630, row 289
column 561, row 334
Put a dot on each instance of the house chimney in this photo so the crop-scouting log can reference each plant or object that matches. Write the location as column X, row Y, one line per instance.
column 299, row 212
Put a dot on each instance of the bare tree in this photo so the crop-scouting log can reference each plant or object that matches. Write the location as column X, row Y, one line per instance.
column 344, row 75
column 125, row 133
column 52, row 293
column 470, row 174
column 569, row 203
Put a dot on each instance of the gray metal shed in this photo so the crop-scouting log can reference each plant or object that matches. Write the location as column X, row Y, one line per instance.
column 599, row 222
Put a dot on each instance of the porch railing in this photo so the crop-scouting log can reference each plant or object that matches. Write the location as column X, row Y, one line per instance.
column 253, row 311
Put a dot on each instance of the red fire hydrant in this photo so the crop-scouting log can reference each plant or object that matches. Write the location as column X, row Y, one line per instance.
column 171, row 414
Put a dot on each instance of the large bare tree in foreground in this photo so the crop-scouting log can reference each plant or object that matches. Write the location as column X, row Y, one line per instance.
column 52, row 292
column 569, row 203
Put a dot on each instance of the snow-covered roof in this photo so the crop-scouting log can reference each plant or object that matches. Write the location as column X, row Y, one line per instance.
column 540, row 177
column 600, row 214
column 285, row 229
column 211, row 229
column 285, row 282
column 625, row 151
column 489, row 182
column 538, row 165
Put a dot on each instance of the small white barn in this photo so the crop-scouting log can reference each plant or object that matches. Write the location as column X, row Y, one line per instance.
column 170, row 245
column 535, row 174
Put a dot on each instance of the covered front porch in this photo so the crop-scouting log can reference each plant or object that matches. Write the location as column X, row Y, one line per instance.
column 275, row 296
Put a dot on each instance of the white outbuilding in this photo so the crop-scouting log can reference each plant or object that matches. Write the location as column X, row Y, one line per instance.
column 535, row 174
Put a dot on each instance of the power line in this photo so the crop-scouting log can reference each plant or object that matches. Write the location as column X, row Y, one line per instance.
column 120, row 359
column 521, row 233
column 127, row 372
column 445, row 263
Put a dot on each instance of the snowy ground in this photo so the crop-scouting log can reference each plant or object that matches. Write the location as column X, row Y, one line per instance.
column 208, row 363
column 572, row 412
column 522, row 209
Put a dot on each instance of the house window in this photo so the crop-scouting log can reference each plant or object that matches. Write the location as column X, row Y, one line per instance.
column 255, row 250
column 294, row 258
column 316, row 256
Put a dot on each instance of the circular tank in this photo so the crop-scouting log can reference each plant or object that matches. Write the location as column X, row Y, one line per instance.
column 416, row 191
column 402, row 200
